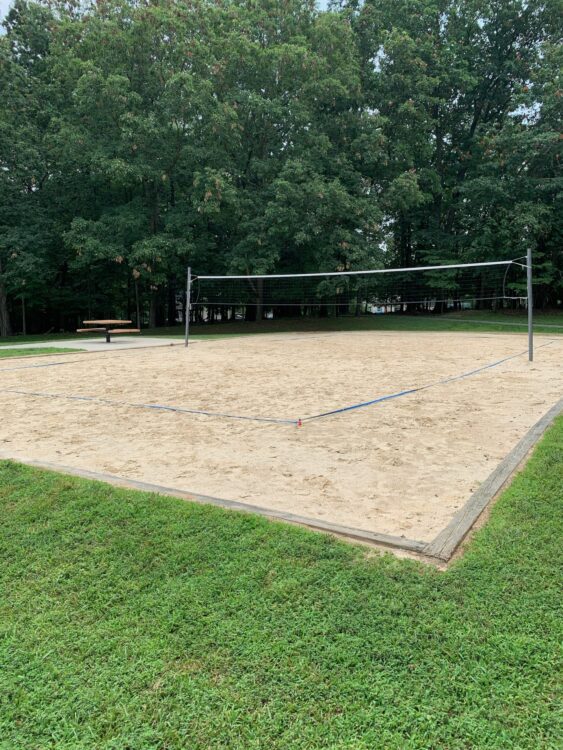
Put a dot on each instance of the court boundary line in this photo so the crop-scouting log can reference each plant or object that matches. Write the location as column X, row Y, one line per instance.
column 32, row 367
column 438, row 551
column 297, row 422
column 418, row 389
column 88, row 351
column 141, row 405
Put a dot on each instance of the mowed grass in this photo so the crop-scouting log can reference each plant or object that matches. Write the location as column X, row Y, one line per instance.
column 470, row 320
column 5, row 353
column 134, row 621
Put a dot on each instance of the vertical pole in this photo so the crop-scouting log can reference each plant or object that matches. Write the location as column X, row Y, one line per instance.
column 188, row 306
column 137, row 306
column 530, row 304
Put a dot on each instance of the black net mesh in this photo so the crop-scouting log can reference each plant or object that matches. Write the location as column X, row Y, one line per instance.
column 444, row 288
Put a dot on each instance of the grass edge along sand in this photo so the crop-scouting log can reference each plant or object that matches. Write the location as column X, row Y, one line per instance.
column 44, row 350
column 131, row 620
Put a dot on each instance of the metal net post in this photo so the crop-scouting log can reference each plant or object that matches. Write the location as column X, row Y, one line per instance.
column 188, row 306
column 530, row 305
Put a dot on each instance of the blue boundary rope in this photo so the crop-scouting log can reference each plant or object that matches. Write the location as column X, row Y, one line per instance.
column 31, row 367
column 407, row 391
column 158, row 407
column 270, row 420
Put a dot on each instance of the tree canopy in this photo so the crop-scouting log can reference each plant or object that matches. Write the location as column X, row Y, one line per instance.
column 261, row 136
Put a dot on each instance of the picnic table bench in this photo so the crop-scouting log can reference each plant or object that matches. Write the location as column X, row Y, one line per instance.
column 105, row 326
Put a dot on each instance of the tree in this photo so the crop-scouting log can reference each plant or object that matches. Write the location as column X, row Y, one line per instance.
column 263, row 136
column 448, row 78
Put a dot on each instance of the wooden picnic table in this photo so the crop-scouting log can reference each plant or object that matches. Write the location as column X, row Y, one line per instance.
column 105, row 326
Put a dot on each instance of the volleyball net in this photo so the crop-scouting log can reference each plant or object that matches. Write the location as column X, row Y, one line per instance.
column 426, row 288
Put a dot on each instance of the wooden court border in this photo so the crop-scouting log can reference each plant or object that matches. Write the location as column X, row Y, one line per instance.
column 447, row 541
column 440, row 549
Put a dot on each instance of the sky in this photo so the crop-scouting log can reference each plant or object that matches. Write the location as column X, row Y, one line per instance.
column 5, row 4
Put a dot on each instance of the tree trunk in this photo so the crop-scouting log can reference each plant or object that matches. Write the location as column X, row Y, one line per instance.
column 5, row 326
column 171, row 302
column 137, row 306
column 358, row 306
column 153, row 309
column 259, row 299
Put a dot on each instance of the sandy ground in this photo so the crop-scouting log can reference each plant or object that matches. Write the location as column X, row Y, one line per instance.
column 401, row 467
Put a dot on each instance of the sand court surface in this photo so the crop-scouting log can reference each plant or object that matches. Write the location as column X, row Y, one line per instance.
column 401, row 467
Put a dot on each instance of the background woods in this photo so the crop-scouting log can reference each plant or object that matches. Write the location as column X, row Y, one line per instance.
column 264, row 136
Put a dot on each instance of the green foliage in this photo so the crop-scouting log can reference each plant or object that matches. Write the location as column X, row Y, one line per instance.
column 469, row 101
column 259, row 136
column 476, row 320
column 134, row 620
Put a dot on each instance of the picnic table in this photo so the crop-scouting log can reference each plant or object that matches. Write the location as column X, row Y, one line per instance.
column 106, row 326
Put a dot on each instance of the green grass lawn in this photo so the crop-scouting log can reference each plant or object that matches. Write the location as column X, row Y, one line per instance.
column 466, row 321
column 501, row 322
column 4, row 353
column 37, row 338
column 130, row 621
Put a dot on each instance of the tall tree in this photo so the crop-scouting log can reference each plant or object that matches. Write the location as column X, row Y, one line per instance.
column 258, row 135
column 447, row 77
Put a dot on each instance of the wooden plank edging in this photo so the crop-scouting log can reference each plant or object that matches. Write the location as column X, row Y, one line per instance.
column 448, row 540
column 441, row 548
column 373, row 537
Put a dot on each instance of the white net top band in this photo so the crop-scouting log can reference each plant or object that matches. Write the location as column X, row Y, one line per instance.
column 450, row 267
